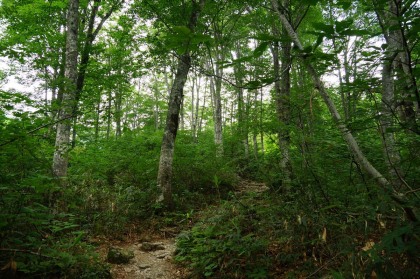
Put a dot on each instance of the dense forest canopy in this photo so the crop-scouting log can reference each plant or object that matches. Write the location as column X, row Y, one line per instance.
column 121, row 116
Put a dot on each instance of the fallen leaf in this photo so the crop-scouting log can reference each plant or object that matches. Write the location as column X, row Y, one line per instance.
column 369, row 245
column 324, row 235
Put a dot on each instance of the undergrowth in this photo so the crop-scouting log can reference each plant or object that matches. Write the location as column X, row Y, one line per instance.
column 268, row 236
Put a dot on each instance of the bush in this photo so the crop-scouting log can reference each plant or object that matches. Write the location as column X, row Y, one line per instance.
column 227, row 244
column 37, row 242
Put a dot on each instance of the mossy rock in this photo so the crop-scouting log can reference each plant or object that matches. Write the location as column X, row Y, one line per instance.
column 119, row 256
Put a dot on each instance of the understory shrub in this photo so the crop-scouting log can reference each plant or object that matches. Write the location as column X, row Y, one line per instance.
column 271, row 236
column 37, row 242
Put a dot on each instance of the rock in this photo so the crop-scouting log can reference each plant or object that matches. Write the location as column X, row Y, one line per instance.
column 144, row 266
column 119, row 256
column 161, row 256
column 148, row 247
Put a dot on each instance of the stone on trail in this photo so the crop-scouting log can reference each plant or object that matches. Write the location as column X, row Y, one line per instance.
column 119, row 256
column 149, row 247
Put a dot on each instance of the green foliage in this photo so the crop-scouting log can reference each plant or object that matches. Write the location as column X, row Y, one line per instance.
column 113, row 181
column 227, row 243
column 275, row 236
column 38, row 242
column 198, row 174
column 396, row 255
column 36, row 239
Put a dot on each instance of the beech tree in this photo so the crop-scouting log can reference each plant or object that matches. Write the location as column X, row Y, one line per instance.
column 164, row 179
column 62, row 142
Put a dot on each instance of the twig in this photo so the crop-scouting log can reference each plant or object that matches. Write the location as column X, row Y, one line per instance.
column 322, row 267
column 36, row 129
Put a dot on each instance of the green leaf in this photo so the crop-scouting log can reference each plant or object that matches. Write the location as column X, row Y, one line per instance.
column 327, row 29
column 344, row 4
column 310, row 2
column 8, row 107
column 182, row 30
column 340, row 26
column 258, row 51
column 266, row 37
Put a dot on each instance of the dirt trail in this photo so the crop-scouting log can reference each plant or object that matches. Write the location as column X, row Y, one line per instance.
column 148, row 264
column 154, row 259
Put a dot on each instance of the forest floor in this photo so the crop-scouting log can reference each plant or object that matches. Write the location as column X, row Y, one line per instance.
column 153, row 251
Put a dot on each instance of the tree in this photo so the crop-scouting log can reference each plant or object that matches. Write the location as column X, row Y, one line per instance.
column 345, row 132
column 62, row 142
column 164, row 179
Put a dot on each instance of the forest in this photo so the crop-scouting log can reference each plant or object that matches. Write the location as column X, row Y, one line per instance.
column 241, row 139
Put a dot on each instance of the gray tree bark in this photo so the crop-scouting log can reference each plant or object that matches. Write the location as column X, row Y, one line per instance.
column 62, row 141
column 164, row 179
column 216, row 89
column 393, row 50
column 282, row 97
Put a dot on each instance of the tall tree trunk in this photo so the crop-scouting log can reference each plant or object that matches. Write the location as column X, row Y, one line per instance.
column 156, row 109
column 241, row 109
column 118, row 111
column 97, row 117
column 359, row 156
column 216, row 97
column 388, row 108
column 282, row 97
column 391, row 15
column 193, row 126
column 109, row 115
column 261, row 122
column 203, row 107
column 195, row 110
column 164, row 179
column 284, row 137
column 62, row 142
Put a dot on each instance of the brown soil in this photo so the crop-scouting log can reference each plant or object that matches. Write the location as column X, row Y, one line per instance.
column 158, row 264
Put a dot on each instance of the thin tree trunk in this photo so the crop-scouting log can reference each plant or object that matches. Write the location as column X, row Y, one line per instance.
column 217, row 100
column 241, row 109
column 62, row 142
column 200, row 122
column 109, row 116
column 118, row 111
column 156, row 110
column 97, row 118
column 197, row 104
column 282, row 97
column 261, row 123
column 164, row 179
column 193, row 127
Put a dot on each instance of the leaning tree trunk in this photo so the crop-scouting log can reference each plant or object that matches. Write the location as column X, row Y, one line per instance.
column 345, row 132
column 62, row 141
column 164, row 179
